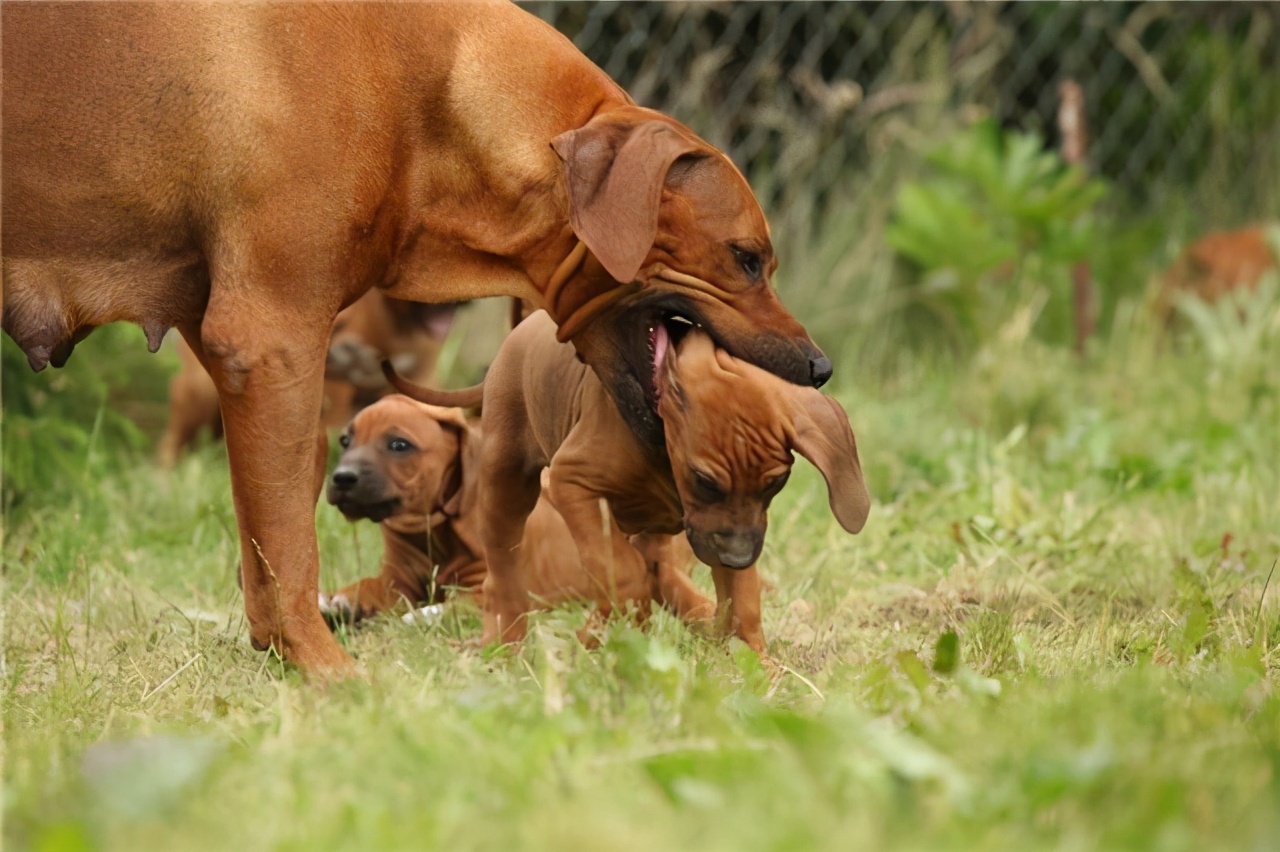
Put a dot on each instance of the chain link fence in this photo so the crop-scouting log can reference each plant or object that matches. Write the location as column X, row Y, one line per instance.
column 1182, row 100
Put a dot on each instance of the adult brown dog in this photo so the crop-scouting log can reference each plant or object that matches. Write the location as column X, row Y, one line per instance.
column 244, row 171
column 413, row 468
column 374, row 328
column 730, row 429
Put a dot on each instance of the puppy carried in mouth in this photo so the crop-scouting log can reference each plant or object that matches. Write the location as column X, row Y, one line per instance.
column 730, row 430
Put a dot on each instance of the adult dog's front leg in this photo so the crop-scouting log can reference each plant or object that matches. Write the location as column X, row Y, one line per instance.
column 267, row 360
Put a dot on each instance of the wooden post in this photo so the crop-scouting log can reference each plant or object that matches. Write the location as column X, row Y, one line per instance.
column 1075, row 144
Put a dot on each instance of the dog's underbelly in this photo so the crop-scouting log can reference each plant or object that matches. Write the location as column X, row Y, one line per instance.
column 51, row 304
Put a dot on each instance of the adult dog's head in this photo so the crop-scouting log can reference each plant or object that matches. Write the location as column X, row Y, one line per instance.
column 674, row 232
column 730, row 430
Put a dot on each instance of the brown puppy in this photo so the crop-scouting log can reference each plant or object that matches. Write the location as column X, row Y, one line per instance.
column 730, row 429
column 243, row 171
column 374, row 328
column 412, row 468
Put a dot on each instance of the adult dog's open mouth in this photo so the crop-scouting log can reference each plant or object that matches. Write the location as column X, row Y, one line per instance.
column 663, row 332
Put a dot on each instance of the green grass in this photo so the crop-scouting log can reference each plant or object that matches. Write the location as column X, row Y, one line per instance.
column 1053, row 633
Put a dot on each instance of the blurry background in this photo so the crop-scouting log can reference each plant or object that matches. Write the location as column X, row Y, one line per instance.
column 908, row 155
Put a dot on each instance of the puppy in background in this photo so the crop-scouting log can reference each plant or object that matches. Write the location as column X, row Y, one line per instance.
column 373, row 328
column 1217, row 264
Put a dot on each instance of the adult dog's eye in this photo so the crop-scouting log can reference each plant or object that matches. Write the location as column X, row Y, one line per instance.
column 748, row 261
column 399, row 445
column 344, row 441
column 706, row 489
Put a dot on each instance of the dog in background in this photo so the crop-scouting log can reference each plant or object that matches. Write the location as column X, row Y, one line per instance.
column 373, row 328
column 1217, row 264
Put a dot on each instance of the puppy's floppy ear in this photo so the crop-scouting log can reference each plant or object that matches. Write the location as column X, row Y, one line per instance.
column 463, row 503
column 614, row 171
column 696, row 349
column 448, row 416
column 460, row 484
column 821, row 433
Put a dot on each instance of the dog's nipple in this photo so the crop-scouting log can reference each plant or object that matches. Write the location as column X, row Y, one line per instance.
column 155, row 331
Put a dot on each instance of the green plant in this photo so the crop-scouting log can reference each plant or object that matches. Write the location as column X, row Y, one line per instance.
column 997, row 220
column 66, row 427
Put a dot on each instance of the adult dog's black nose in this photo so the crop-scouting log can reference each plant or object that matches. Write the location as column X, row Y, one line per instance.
column 819, row 370
column 345, row 478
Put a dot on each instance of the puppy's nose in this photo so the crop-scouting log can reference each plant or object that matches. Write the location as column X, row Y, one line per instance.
column 819, row 370
column 735, row 550
column 345, row 478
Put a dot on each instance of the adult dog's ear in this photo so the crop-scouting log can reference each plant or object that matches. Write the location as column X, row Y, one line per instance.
column 614, row 172
column 821, row 433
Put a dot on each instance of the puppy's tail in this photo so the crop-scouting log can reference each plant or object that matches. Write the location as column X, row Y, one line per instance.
column 464, row 398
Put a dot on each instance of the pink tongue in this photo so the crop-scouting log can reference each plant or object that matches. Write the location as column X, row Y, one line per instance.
column 660, row 340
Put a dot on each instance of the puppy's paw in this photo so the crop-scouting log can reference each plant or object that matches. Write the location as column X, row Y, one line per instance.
column 427, row 615
column 337, row 610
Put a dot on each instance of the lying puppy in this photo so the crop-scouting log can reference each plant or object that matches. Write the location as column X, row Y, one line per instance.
column 412, row 468
column 409, row 467
column 729, row 427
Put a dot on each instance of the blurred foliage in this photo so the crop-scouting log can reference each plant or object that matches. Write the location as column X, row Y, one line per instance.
column 995, row 223
column 64, row 428
column 1183, row 99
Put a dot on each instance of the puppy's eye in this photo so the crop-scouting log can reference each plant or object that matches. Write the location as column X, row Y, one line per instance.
column 775, row 485
column 706, row 489
column 344, row 440
column 749, row 262
column 399, row 445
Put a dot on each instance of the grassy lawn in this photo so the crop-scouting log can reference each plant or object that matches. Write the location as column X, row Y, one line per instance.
column 1054, row 633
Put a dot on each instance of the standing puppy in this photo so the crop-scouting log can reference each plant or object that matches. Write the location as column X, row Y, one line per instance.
column 730, row 429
